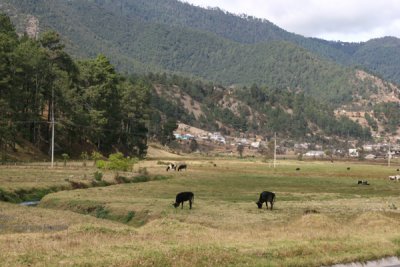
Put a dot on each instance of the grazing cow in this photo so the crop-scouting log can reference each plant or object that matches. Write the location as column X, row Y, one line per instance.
column 348, row 168
column 394, row 177
column 297, row 169
column 266, row 197
column 182, row 197
column 171, row 167
column 181, row 166
column 363, row 182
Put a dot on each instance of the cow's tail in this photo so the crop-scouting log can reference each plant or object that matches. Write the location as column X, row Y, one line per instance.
column 273, row 199
column 193, row 199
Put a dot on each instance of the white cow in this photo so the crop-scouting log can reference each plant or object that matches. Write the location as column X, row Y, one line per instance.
column 394, row 177
column 171, row 167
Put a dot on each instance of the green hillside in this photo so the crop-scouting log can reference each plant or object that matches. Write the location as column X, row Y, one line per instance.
column 141, row 36
column 97, row 109
column 381, row 56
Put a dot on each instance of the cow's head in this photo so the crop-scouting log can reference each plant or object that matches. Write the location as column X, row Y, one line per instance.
column 259, row 204
column 175, row 204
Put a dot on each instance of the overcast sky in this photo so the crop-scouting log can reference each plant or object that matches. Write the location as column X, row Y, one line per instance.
column 344, row 20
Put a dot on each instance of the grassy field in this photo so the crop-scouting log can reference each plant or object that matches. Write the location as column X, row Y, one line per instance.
column 321, row 217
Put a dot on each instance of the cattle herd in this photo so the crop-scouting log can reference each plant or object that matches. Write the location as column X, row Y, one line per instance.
column 265, row 196
column 181, row 197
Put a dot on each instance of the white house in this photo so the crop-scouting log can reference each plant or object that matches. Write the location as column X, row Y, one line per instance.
column 315, row 153
column 370, row 156
column 353, row 152
column 255, row 145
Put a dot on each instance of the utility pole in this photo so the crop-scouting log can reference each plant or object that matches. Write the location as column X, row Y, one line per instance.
column 52, row 128
column 390, row 155
column 275, row 152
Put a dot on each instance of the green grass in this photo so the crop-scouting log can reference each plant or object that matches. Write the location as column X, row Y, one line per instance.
column 321, row 217
column 26, row 183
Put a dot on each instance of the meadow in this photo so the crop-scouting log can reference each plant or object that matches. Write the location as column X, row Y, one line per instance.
column 321, row 216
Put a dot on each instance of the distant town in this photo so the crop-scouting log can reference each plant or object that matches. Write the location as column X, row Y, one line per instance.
column 225, row 144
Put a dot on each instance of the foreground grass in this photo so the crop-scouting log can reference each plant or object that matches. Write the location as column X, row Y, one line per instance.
column 321, row 217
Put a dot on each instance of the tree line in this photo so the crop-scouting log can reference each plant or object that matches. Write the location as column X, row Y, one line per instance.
column 94, row 107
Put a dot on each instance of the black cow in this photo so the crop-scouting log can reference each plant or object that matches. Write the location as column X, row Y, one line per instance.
column 182, row 197
column 266, row 197
column 181, row 166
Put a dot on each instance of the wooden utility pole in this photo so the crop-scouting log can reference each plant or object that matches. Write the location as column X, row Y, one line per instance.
column 275, row 152
column 52, row 128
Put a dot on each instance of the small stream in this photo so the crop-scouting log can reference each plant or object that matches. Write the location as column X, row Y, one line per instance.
column 30, row 203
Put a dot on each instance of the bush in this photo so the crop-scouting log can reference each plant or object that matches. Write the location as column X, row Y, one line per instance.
column 84, row 157
column 96, row 156
column 65, row 157
column 98, row 176
column 129, row 217
column 101, row 212
column 117, row 162
column 101, row 164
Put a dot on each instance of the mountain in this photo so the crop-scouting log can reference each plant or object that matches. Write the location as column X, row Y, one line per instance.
column 174, row 37
column 96, row 108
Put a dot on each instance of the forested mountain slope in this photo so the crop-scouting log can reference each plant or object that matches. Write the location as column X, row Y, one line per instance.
column 141, row 36
column 96, row 108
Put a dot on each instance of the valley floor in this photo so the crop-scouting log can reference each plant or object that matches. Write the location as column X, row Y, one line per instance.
column 321, row 217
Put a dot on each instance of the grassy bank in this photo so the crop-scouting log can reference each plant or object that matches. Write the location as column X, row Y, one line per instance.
column 33, row 182
column 321, row 217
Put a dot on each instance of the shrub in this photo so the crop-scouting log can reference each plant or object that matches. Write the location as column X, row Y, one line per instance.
column 84, row 157
column 129, row 217
column 98, row 176
column 65, row 157
column 101, row 164
column 117, row 162
column 101, row 212
column 96, row 156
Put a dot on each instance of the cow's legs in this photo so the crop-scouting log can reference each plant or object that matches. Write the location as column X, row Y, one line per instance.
column 190, row 203
column 266, row 204
column 272, row 204
column 182, row 205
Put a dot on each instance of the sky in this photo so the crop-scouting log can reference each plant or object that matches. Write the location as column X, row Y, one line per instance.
column 336, row 20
